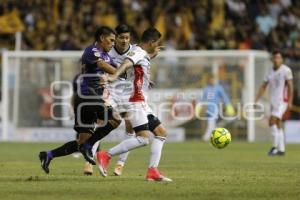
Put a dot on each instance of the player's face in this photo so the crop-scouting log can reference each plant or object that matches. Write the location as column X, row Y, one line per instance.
column 154, row 44
column 122, row 41
column 211, row 80
column 107, row 42
column 277, row 60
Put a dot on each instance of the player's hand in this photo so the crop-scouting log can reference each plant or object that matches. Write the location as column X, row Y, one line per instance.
column 230, row 110
column 111, row 78
column 103, row 79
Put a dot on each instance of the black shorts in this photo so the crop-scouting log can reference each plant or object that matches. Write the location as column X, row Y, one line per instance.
column 88, row 111
column 153, row 122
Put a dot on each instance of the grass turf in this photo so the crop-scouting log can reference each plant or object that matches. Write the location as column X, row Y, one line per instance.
column 240, row 171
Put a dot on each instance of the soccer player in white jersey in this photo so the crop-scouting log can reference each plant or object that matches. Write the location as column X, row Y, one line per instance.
column 280, row 82
column 138, row 65
column 118, row 53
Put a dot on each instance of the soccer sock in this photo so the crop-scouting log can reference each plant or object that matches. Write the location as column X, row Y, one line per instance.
column 281, row 142
column 156, row 149
column 123, row 156
column 100, row 133
column 128, row 144
column 95, row 148
column 211, row 124
column 274, row 131
column 66, row 149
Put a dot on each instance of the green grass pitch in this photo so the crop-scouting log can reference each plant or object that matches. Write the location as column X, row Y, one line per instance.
column 240, row 171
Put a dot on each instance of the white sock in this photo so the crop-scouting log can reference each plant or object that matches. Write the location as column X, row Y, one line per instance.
column 95, row 147
column 128, row 144
column 156, row 149
column 211, row 124
column 123, row 156
column 281, row 142
column 275, row 134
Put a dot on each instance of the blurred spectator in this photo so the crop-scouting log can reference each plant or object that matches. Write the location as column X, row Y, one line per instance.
column 185, row 24
column 265, row 22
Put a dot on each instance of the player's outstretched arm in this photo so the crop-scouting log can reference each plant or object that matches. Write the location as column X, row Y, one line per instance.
column 106, row 67
column 290, row 87
column 123, row 67
column 261, row 91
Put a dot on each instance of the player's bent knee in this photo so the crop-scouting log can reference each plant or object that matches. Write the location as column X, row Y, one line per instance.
column 143, row 140
column 160, row 131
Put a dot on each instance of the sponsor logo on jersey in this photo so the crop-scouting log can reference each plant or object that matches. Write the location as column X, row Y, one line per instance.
column 97, row 54
column 131, row 53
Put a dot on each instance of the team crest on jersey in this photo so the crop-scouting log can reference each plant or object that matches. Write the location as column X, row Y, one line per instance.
column 97, row 54
column 131, row 53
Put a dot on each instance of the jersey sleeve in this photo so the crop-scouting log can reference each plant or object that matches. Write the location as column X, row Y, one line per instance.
column 288, row 74
column 92, row 56
column 135, row 56
column 223, row 95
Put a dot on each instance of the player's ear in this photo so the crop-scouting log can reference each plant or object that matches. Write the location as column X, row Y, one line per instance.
column 101, row 38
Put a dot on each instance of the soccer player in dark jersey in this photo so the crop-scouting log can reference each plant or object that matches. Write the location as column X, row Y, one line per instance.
column 89, row 107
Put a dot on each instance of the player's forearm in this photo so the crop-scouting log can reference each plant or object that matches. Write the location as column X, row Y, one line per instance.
column 259, row 93
column 107, row 67
column 124, row 66
column 290, row 92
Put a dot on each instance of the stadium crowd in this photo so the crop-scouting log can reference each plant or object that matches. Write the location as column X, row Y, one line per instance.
column 185, row 24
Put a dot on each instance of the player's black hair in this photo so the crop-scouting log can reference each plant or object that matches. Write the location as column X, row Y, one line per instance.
column 276, row 52
column 103, row 30
column 150, row 34
column 122, row 28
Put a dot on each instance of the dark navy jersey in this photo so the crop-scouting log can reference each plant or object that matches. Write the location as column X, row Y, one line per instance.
column 91, row 72
column 75, row 83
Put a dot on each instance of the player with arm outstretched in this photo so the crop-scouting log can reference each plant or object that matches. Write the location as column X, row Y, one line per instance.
column 116, row 98
column 280, row 81
column 138, row 65
column 89, row 106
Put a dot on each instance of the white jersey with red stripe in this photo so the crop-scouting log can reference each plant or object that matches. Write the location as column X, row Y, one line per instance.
column 116, row 97
column 277, row 81
column 138, row 75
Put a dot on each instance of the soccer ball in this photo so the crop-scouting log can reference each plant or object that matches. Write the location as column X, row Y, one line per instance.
column 220, row 138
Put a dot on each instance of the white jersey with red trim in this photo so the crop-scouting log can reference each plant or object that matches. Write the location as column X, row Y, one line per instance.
column 277, row 81
column 117, row 57
column 117, row 86
column 138, row 75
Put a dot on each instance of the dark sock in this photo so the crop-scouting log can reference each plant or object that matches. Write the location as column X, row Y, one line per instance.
column 66, row 149
column 100, row 133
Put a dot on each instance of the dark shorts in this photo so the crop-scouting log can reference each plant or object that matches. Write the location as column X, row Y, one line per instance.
column 88, row 111
column 153, row 122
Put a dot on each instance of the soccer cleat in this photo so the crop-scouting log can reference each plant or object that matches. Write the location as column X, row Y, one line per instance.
column 45, row 161
column 88, row 169
column 103, row 162
column 154, row 175
column 280, row 153
column 87, row 154
column 118, row 170
column 273, row 151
